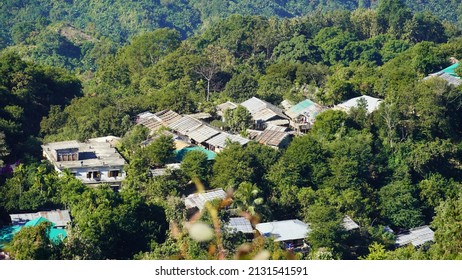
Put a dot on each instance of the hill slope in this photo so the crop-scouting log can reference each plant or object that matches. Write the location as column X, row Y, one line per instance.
column 121, row 19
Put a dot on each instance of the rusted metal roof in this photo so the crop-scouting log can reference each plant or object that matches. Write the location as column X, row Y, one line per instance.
column 59, row 217
column 168, row 116
column 252, row 133
column 152, row 124
column 155, row 121
column 272, row 137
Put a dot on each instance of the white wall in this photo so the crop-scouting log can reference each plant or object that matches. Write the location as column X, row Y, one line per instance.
column 81, row 174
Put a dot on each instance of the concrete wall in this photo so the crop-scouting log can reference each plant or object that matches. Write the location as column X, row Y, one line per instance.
column 81, row 174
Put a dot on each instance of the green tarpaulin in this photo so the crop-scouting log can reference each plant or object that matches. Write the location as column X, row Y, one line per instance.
column 56, row 235
column 451, row 69
column 180, row 154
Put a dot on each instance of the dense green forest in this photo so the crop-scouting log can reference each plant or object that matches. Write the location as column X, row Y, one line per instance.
column 73, row 34
column 399, row 166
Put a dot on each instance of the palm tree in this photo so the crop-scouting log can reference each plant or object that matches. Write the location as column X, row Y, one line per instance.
column 246, row 198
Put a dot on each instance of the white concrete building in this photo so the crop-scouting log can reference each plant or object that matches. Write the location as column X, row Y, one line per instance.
column 94, row 161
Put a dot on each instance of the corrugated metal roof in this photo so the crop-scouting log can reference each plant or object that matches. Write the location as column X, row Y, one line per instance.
column 240, row 224
column 168, row 116
column 151, row 123
column 262, row 110
column 279, row 122
column 220, row 140
column 145, row 115
column 284, row 230
column 349, row 224
column 59, row 217
column 271, row 137
column 276, row 127
column 185, row 125
column 264, row 114
column 202, row 133
column 199, row 199
column 252, row 134
column 221, row 108
column 455, row 81
column 254, row 105
column 416, row 236
column 200, row 116
column 155, row 121
column 372, row 103
column 287, row 104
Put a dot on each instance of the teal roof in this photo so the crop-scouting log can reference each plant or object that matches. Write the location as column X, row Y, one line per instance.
column 56, row 235
column 451, row 69
column 301, row 107
column 180, row 154
column 7, row 233
column 306, row 107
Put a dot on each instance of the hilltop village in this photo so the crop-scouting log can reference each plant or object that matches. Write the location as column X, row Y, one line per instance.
column 160, row 130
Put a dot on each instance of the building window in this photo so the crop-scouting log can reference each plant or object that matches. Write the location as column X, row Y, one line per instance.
column 94, row 175
column 114, row 173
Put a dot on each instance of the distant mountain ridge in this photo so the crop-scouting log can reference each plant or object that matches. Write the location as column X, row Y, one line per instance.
column 119, row 20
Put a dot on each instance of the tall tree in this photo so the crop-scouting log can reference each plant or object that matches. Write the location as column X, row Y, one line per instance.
column 215, row 59
column 392, row 16
column 448, row 233
column 247, row 198
column 32, row 243
column 160, row 151
column 3, row 148
column 196, row 165
column 400, row 206
column 239, row 119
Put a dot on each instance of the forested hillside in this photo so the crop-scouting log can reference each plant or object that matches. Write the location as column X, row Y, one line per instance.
column 73, row 34
column 398, row 166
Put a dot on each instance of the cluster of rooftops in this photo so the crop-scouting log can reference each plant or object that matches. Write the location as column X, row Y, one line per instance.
column 272, row 125
column 293, row 232
column 97, row 160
